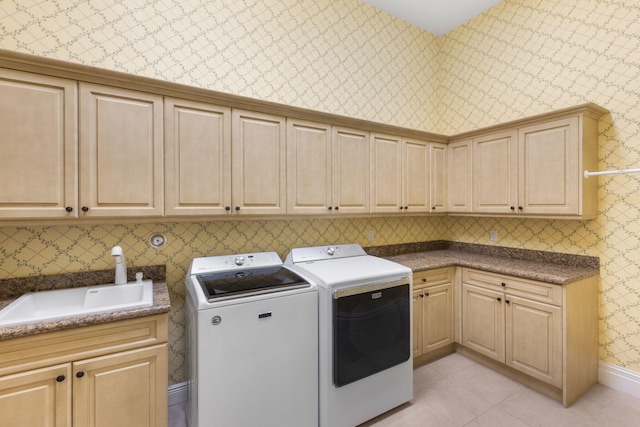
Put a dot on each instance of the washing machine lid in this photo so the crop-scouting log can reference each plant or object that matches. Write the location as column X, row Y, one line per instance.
column 222, row 285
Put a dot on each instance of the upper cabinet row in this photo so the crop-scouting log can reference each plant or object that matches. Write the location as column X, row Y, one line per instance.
column 91, row 151
column 533, row 168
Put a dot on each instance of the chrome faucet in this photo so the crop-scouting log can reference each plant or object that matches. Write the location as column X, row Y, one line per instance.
column 121, row 265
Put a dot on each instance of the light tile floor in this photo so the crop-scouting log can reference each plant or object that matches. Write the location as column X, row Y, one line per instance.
column 455, row 391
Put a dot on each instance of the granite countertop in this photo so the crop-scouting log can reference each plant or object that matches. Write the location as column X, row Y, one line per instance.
column 550, row 267
column 10, row 289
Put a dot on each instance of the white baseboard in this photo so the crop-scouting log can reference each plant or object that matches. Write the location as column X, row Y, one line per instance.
column 177, row 393
column 619, row 378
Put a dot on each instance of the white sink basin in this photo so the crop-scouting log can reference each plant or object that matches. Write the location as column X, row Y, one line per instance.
column 61, row 303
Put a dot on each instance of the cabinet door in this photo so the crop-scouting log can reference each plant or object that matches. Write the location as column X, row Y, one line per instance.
column 38, row 118
column 258, row 163
column 308, row 167
column 127, row 389
column 550, row 180
column 418, row 321
column 416, row 176
column 386, row 174
column 438, row 175
column 121, row 152
column 495, row 173
column 438, row 317
column 41, row 397
column 197, row 158
column 483, row 321
column 534, row 339
column 350, row 170
column 459, row 167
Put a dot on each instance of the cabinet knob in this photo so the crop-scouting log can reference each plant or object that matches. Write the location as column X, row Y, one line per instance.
column 68, row 209
column 237, row 208
column 60, row 378
column 421, row 295
column 426, row 294
column 400, row 207
column 337, row 207
column 330, row 208
column 433, row 208
column 85, row 208
column 406, row 207
column 424, row 279
column 507, row 301
column 513, row 208
column 520, row 208
column 79, row 374
column 503, row 284
column 227, row 208
column 499, row 299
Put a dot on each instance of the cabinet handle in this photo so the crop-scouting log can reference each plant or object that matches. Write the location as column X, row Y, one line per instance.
column 85, row 209
column 227, row 208
column 60, row 378
column 79, row 374
column 503, row 284
column 68, row 209
column 499, row 299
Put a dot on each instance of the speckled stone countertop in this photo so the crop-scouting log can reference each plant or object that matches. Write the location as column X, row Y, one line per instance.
column 550, row 267
column 10, row 289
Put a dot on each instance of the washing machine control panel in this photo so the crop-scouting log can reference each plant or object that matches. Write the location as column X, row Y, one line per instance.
column 234, row 262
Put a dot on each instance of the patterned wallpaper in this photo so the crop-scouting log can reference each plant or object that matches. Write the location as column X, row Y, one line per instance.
column 519, row 58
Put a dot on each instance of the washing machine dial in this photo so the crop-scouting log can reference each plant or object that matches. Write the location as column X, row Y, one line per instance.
column 331, row 251
column 239, row 260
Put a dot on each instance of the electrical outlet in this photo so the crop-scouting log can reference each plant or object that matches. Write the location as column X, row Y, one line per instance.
column 157, row 240
column 370, row 235
column 493, row 235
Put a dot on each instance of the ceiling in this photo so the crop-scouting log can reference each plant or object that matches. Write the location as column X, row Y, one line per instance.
column 435, row 16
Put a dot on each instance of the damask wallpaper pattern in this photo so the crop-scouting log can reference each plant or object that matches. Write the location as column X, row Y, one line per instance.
column 517, row 59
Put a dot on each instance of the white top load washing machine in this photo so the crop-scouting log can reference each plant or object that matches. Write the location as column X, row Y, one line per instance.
column 252, row 343
column 365, row 331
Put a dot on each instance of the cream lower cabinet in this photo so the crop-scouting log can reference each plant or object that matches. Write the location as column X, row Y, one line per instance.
column 432, row 310
column 547, row 332
column 50, row 380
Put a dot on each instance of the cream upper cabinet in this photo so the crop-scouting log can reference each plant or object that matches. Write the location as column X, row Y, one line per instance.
column 386, row 174
column 38, row 118
column 308, row 167
column 459, row 171
column 327, row 169
column 550, row 179
column 350, row 170
column 401, row 175
column 258, row 166
column 121, row 152
column 197, row 158
column 495, row 173
column 438, row 177
column 534, row 167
